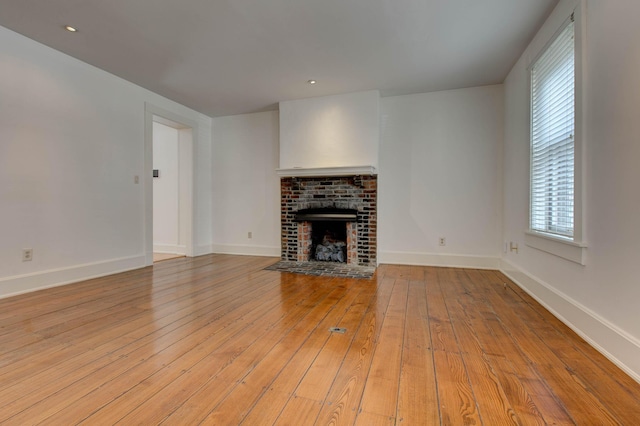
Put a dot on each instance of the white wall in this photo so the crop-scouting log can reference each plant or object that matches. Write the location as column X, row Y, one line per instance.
column 246, row 189
column 330, row 131
column 71, row 142
column 439, row 176
column 165, row 190
column 600, row 299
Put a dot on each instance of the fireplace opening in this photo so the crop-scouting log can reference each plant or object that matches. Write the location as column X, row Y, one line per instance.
column 329, row 241
column 327, row 234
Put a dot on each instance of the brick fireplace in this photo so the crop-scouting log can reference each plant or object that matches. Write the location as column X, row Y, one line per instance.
column 356, row 194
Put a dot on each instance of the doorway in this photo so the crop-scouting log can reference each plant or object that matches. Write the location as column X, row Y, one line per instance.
column 168, row 240
column 169, row 171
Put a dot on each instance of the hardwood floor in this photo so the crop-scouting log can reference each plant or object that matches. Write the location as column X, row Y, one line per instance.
column 218, row 340
column 159, row 257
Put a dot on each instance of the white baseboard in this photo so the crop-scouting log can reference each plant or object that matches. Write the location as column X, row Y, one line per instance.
column 169, row 248
column 246, row 250
column 19, row 284
column 432, row 259
column 614, row 343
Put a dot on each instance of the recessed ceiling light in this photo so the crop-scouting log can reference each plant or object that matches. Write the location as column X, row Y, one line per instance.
column 70, row 29
column 311, row 81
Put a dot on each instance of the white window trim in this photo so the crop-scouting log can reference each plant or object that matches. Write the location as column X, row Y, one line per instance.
column 566, row 248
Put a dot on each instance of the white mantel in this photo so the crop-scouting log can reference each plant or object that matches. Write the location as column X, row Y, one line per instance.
column 328, row 171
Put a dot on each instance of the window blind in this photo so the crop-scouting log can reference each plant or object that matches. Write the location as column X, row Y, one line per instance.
column 552, row 137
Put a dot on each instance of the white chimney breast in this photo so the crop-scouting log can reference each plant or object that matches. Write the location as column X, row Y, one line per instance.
column 330, row 131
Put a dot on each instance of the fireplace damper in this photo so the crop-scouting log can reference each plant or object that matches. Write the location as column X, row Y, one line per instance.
column 326, row 215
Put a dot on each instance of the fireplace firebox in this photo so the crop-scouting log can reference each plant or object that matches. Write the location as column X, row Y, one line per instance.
column 326, row 228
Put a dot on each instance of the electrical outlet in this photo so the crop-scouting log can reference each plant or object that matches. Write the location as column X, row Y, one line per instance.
column 249, row 234
column 442, row 241
column 27, row 255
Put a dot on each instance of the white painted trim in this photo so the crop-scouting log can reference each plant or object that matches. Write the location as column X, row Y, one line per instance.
column 327, row 171
column 614, row 343
column 19, row 284
column 435, row 259
column 246, row 250
column 566, row 249
column 169, row 248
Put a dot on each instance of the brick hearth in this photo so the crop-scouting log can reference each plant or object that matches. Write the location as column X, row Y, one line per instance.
column 352, row 192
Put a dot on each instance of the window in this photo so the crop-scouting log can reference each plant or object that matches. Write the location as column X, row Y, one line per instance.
column 553, row 137
column 555, row 215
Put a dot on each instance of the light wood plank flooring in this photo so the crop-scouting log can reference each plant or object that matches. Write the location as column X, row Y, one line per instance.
column 218, row 340
column 159, row 257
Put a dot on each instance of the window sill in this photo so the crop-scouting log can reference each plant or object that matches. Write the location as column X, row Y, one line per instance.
column 566, row 249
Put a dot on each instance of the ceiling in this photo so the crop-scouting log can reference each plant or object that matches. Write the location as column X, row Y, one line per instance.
column 224, row 57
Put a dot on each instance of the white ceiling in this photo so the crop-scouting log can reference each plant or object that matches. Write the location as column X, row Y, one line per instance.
column 224, row 57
